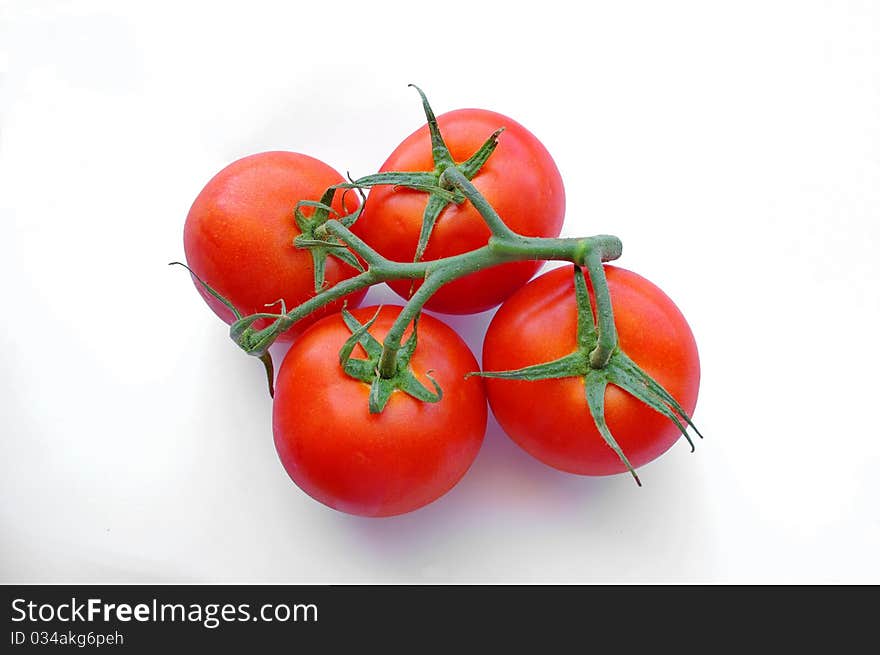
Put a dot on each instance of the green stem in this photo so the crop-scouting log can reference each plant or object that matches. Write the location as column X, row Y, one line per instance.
column 373, row 258
column 607, row 331
column 257, row 342
column 501, row 249
column 394, row 339
column 438, row 273
column 452, row 177
column 387, row 269
column 574, row 250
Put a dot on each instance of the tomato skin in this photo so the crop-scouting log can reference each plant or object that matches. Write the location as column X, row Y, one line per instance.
column 239, row 234
column 376, row 464
column 550, row 418
column 520, row 180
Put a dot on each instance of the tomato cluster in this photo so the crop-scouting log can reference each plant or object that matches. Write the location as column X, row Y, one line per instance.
column 239, row 243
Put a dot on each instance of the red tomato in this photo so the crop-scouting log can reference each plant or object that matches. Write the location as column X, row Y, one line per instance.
column 520, row 180
column 550, row 418
column 376, row 464
column 239, row 235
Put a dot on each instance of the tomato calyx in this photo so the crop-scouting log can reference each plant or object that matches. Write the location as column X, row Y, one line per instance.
column 611, row 366
column 316, row 240
column 367, row 370
column 442, row 162
column 441, row 191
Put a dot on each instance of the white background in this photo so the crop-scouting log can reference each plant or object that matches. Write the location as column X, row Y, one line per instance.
column 734, row 148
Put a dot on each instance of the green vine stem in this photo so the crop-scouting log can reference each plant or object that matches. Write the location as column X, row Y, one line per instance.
column 606, row 333
column 599, row 359
column 435, row 273
column 456, row 179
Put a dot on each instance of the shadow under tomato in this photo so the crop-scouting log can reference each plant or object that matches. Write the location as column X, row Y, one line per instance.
column 514, row 519
column 504, row 483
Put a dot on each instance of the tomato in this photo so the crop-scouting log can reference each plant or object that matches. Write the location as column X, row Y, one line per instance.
column 550, row 418
column 520, row 180
column 239, row 234
column 381, row 464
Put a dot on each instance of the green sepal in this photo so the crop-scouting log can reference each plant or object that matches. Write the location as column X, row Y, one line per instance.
column 359, row 368
column 266, row 358
column 595, row 382
column 408, row 347
column 359, row 334
column 435, row 205
column 635, row 387
column 574, row 365
column 626, row 374
column 475, row 162
column 302, row 222
column 257, row 342
column 320, row 250
column 328, row 249
column 408, row 381
column 416, row 389
column 319, row 265
column 427, row 181
column 446, row 195
column 210, row 290
column 349, row 219
column 347, row 257
column 323, row 209
column 380, row 393
column 367, row 370
column 398, row 178
column 303, row 243
column 312, row 232
column 439, row 150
